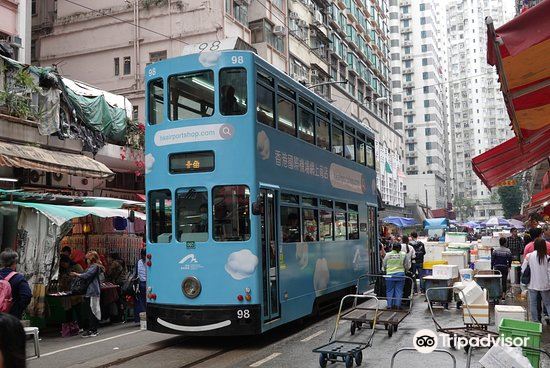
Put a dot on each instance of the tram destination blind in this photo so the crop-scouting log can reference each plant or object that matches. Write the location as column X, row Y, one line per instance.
column 191, row 162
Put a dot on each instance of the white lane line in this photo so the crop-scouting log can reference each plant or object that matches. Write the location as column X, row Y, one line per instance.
column 313, row 336
column 265, row 360
column 89, row 343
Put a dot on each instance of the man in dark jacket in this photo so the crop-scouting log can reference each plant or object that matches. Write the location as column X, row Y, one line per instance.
column 419, row 251
column 20, row 290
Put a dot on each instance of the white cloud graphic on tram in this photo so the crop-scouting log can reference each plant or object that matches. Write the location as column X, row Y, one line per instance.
column 241, row 264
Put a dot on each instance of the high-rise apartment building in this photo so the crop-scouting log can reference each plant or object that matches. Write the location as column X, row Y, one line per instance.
column 478, row 117
column 314, row 41
column 418, row 67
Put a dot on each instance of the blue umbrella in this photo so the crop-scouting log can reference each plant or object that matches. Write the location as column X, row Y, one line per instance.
column 400, row 221
column 495, row 221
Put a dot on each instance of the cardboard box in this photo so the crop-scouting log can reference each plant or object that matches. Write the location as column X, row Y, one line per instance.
column 445, row 271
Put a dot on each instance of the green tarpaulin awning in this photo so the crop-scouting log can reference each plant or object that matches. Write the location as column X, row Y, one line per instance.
column 388, row 168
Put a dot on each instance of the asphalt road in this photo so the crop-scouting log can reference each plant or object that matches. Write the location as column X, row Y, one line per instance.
column 289, row 346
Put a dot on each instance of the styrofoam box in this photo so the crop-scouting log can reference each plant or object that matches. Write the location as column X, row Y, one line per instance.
column 434, row 250
column 451, row 237
column 472, row 293
column 445, row 271
column 457, row 258
column 503, row 356
column 509, row 311
column 483, row 264
column 489, row 241
column 479, row 311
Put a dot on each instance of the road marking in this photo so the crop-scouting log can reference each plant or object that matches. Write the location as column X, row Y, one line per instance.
column 313, row 336
column 89, row 343
column 265, row 360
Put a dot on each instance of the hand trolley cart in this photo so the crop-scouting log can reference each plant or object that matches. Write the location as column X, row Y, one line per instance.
column 414, row 350
column 467, row 331
column 345, row 351
column 491, row 281
column 389, row 318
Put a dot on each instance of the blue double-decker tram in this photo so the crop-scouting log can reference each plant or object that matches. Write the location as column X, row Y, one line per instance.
column 261, row 197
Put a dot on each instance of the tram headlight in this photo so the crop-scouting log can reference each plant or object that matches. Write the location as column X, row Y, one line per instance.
column 191, row 287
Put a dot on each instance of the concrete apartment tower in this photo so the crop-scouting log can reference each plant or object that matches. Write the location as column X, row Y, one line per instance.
column 478, row 117
column 418, row 61
column 314, row 41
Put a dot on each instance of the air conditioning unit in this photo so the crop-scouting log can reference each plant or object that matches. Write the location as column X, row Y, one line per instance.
column 314, row 72
column 318, row 18
column 294, row 15
column 242, row 2
column 313, row 33
column 302, row 23
column 279, row 31
column 15, row 41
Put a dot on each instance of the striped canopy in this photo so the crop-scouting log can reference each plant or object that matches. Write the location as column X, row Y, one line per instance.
column 520, row 50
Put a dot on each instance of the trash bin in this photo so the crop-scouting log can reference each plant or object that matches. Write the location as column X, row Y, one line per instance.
column 532, row 330
column 439, row 296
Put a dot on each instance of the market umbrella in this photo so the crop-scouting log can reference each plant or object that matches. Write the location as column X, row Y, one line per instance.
column 495, row 221
column 516, row 223
column 520, row 50
column 400, row 221
column 472, row 224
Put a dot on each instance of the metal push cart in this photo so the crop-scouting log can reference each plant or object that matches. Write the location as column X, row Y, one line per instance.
column 491, row 281
column 389, row 318
column 345, row 351
column 467, row 331
column 414, row 350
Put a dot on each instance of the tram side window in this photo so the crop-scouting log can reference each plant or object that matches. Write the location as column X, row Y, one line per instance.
column 160, row 216
column 191, row 95
column 264, row 105
column 286, row 116
column 309, row 224
column 370, row 156
column 350, row 147
column 323, row 134
column 305, row 126
column 353, row 222
column 326, row 226
column 233, row 97
column 340, row 221
column 231, row 213
column 290, row 224
column 337, row 141
column 156, row 101
column 361, row 153
column 192, row 215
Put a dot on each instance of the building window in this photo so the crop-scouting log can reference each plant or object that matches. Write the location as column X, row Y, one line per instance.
column 424, row 61
column 157, row 56
column 429, row 160
column 238, row 10
column 33, row 7
column 135, row 113
column 426, row 103
column 409, row 119
column 127, row 65
column 262, row 31
column 424, row 48
column 117, row 66
column 427, row 131
column 427, row 117
column 422, row 7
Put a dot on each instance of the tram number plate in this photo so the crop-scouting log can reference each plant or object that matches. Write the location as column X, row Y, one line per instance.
column 243, row 313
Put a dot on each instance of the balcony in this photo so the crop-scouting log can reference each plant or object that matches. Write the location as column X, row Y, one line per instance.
column 412, row 154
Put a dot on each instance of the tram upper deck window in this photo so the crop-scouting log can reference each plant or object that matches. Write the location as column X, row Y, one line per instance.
column 191, row 95
column 156, row 101
column 265, row 105
column 233, row 95
column 160, row 216
column 231, row 213
column 337, row 141
column 192, row 215
column 323, row 134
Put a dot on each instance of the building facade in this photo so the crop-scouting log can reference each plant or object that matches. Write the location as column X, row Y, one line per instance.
column 478, row 117
column 314, row 41
column 15, row 27
column 418, row 67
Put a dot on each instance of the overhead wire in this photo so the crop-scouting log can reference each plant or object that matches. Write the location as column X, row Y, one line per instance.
column 126, row 21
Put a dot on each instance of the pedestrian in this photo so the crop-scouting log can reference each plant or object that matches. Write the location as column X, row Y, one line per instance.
column 141, row 276
column 12, row 342
column 395, row 264
column 73, row 304
column 93, row 292
column 418, row 261
column 66, row 250
column 409, row 252
column 539, row 284
column 501, row 260
column 535, row 233
column 21, row 293
column 515, row 244
column 546, row 232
